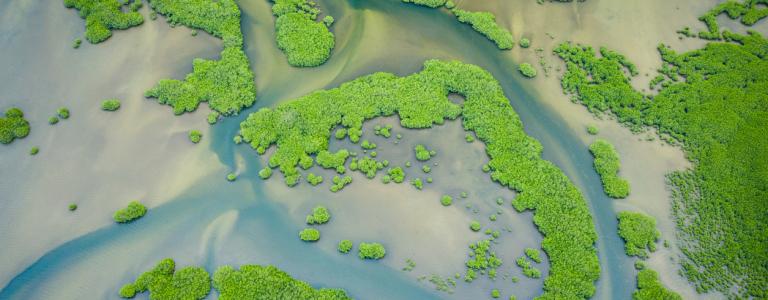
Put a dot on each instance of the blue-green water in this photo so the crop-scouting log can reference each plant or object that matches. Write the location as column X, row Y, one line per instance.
column 202, row 219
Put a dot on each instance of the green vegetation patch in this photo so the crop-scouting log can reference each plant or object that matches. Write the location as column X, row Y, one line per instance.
column 309, row 235
column 482, row 259
column 165, row 283
column 639, row 233
column 305, row 41
column 110, row 105
column 650, row 288
column 446, row 200
column 267, row 282
column 485, row 23
column 227, row 84
column 718, row 115
column 102, row 16
column 422, row 153
column 13, row 126
column 63, row 113
column 607, row 165
column 527, row 70
column 345, row 246
column 195, row 136
column 528, row 270
column 133, row 211
column 533, row 254
column 748, row 12
column 371, row 251
column 428, row 3
column 303, row 127
column 320, row 215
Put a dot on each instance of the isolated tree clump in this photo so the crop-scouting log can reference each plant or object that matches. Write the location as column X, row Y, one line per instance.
column 371, row 251
column 13, row 126
column 320, row 215
column 133, row 211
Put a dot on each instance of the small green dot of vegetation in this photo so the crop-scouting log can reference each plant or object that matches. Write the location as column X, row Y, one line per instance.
column 231, row 177
column 446, row 200
column 72, row 207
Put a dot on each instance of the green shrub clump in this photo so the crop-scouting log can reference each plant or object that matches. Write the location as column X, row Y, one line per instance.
column 165, row 283
column 607, row 165
column 716, row 113
column 650, row 288
column 528, row 270
column 265, row 173
column 227, row 84
column 76, row 43
column 305, row 41
column 195, row 136
column 231, row 177
column 446, row 200
column 428, row 3
column 475, row 226
column 371, row 251
column 13, row 126
column 133, row 211
column 309, row 235
column 102, row 16
column 527, row 70
column 396, row 174
column 72, row 207
column 533, row 254
column 63, row 113
column 593, row 130
column 313, row 179
column 53, row 120
column 303, row 127
column 525, row 43
column 340, row 182
column 320, row 215
column 110, row 105
column 34, row 150
column 345, row 246
column 267, row 282
column 422, row 153
column 417, row 183
column 639, row 233
column 485, row 23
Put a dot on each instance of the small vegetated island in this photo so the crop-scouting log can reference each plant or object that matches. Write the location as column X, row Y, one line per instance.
column 305, row 41
column 481, row 21
column 301, row 130
column 13, row 126
column 133, row 211
column 607, row 165
column 164, row 282
column 712, row 102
